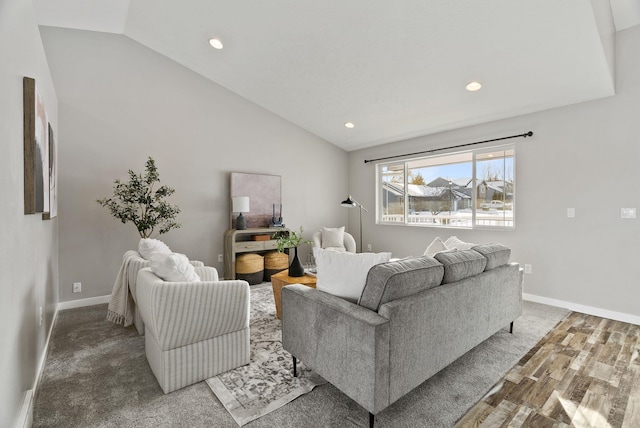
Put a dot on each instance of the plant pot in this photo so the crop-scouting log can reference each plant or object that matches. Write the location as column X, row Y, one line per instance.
column 296, row 268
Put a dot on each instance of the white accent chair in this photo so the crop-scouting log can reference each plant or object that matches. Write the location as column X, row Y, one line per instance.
column 135, row 264
column 349, row 241
column 194, row 330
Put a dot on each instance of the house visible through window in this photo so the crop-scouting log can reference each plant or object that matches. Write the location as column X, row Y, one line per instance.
column 466, row 189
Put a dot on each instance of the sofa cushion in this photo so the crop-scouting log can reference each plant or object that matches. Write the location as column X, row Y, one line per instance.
column 398, row 279
column 496, row 254
column 461, row 264
column 173, row 267
column 344, row 274
column 148, row 246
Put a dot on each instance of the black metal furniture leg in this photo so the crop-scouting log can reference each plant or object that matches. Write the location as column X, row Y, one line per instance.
column 372, row 419
column 295, row 371
column 511, row 327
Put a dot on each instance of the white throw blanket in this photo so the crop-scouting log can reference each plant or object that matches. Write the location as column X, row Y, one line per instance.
column 121, row 304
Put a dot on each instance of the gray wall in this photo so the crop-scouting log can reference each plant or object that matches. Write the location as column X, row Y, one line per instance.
column 121, row 102
column 28, row 245
column 585, row 156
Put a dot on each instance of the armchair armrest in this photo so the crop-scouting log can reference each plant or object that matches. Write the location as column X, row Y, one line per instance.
column 345, row 343
column 180, row 313
column 207, row 273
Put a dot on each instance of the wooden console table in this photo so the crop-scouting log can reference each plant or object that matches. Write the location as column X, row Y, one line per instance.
column 240, row 241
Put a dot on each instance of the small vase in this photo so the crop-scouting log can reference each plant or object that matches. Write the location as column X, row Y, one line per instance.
column 296, row 269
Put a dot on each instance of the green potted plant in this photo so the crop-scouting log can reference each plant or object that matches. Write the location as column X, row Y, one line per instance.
column 137, row 202
column 293, row 240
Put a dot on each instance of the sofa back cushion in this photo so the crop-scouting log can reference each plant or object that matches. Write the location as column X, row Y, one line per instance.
column 496, row 254
column 400, row 278
column 461, row 264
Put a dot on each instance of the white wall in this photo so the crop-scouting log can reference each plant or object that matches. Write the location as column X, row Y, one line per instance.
column 120, row 102
column 585, row 156
column 28, row 245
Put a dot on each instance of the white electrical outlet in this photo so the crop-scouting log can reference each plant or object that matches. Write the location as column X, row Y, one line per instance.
column 627, row 213
column 77, row 287
column 571, row 212
column 528, row 269
column 41, row 315
column 220, row 259
column 368, row 247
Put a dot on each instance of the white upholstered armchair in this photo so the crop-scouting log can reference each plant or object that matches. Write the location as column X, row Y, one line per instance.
column 194, row 330
column 323, row 238
column 134, row 263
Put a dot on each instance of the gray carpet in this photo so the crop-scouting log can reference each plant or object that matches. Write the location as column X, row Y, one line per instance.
column 96, row 375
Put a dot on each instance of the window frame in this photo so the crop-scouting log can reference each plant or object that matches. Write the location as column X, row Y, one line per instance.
column 509, row 223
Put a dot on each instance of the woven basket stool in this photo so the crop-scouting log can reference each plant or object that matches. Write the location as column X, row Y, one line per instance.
column 274, row 262
column 250, row 267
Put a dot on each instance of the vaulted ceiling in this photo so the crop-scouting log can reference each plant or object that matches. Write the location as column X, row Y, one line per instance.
column 395, row 69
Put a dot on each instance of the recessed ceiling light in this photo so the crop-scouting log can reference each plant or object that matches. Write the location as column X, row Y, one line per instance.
column 349, row 125
column 473, row 86
column 216, row 43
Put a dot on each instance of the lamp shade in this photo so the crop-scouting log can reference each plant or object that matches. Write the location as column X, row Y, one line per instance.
column 240, row 204
column 349, row 203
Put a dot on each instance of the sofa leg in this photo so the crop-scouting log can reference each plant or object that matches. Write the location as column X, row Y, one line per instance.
column 372, row 419
column 511, row 327
column 295, row 369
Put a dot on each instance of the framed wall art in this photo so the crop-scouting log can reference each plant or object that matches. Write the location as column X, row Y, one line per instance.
column 264, row 192
column 36, row 150
column 53, row 178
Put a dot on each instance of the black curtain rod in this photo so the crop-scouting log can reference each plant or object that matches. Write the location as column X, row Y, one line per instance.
column 525, row 135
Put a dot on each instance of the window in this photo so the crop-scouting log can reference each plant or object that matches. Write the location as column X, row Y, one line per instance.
column 468, row 189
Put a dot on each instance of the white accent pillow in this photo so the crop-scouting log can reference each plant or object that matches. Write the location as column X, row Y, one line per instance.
column 435, row 247
column 344, row 274
column 173, row 267
column 333, row 237
column 148, row 246
column 454, row 242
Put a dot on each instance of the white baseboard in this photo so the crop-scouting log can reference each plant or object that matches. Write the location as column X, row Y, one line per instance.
column 591, row 310
column 71, row 304
column 26, row 412
column 25, row 420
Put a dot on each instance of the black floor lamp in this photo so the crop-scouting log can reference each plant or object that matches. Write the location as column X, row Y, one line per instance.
column 350, row 203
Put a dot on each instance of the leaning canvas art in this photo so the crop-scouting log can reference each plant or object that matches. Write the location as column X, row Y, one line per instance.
column 36, row 150
column 53, row 178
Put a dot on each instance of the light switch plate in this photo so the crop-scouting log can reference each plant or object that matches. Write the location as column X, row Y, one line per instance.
column 571, row 212
column 627, row 213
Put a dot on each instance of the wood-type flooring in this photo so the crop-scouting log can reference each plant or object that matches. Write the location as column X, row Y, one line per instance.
column 584, row 373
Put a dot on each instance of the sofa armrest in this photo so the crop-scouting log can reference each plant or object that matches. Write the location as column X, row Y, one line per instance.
column 345, row 343
column 180, row 313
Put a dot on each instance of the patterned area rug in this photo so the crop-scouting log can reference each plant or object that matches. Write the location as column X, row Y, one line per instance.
column 267, row 382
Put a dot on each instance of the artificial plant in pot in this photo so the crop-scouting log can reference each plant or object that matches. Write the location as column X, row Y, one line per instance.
column 293, row 240
column 139, row 203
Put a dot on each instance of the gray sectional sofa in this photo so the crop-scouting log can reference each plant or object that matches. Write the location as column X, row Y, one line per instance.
column 415, row 317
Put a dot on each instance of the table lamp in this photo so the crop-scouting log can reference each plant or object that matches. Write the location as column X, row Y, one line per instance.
column 241, row 205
